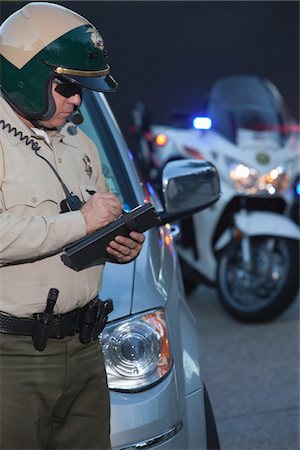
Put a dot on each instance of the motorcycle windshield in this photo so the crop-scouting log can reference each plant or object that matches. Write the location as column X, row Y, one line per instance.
column 243, row 107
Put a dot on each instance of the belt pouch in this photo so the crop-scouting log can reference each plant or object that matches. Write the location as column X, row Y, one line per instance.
column 43, row 322
column 104, row 308
column 88, row 319
column 94, row 319
column 41, row 332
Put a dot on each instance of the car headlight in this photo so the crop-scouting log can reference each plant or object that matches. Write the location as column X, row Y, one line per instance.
column 136, row 351
column 247, row 180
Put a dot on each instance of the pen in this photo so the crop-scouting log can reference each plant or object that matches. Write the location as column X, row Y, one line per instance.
column 92, row 192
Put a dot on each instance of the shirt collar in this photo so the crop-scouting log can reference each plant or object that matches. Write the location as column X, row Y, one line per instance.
column 8, row 114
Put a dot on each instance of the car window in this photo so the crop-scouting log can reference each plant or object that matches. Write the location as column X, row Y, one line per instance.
column 96, row 127
column 98, row 138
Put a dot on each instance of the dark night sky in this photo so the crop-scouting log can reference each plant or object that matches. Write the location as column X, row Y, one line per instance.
column 168, row 53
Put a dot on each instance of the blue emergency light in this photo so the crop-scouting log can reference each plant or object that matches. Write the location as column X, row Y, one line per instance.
column 202, row 123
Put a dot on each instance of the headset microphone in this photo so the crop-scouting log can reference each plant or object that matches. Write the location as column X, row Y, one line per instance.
column 77, row 117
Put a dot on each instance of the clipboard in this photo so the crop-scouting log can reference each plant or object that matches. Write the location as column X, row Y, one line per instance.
column 92, row 248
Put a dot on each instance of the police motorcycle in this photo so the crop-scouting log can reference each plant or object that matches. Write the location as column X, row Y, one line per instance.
column 247, row 243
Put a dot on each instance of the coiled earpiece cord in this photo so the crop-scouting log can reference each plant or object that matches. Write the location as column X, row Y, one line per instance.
column 35, row 147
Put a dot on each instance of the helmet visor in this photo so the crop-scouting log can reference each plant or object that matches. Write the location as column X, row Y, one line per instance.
column 101, row 84
column 96, row 80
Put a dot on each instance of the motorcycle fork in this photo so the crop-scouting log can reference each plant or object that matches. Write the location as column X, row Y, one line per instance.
column 246, row 253
column 245, row 249
column 245, row 242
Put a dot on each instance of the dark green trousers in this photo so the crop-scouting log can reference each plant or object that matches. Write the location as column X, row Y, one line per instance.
column 54, row 399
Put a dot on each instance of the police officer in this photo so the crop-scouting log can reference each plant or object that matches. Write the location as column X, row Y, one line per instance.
column 57, row 397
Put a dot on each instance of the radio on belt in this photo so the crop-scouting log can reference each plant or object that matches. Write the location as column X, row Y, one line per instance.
column 92, row 248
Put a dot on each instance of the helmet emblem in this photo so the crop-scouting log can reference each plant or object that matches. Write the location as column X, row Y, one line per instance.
column 96, row 38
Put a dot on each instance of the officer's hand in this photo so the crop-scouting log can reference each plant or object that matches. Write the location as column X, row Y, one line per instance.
column 125, row 249
column 101, row 209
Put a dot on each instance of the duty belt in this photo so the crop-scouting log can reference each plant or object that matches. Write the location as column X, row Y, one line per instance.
column 88, row 321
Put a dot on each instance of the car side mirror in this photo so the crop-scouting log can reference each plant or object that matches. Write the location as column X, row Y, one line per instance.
column 188, row 186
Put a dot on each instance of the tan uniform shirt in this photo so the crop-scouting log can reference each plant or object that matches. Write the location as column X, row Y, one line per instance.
column 32, row 230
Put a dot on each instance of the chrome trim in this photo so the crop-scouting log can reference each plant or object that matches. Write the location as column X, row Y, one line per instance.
column 82, row 73
column 175, row 231
column 157, row 440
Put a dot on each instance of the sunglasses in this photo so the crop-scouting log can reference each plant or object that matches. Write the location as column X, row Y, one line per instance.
column 67, row 89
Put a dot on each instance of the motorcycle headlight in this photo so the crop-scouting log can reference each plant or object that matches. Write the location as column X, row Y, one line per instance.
column 247, row 180
column 136, row 351
column 277, row 180
column 244, row 178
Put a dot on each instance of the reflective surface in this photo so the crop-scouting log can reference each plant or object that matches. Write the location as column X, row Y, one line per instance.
column 189, row 185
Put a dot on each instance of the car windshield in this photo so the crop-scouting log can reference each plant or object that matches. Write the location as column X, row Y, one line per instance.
column 244, row 106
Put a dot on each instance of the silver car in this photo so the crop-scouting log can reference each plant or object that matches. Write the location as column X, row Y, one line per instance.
column 158, row 397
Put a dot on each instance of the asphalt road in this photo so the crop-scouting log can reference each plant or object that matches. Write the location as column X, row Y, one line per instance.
column 252, row 375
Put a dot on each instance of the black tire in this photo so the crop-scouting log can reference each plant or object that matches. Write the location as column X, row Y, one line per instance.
column 192, row 278
column 212, row 436
column 189, row 275
column 266, row 291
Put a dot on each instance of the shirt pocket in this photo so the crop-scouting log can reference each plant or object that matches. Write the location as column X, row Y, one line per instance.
column 27, row 198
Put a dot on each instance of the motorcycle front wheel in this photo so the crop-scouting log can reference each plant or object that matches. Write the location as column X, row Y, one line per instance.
column 264, row 290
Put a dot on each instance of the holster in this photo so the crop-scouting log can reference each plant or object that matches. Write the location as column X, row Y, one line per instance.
column 94, row 318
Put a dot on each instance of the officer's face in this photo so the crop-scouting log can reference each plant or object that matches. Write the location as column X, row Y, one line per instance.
column 64, row 107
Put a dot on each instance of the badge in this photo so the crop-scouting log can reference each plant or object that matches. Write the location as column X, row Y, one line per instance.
column 88, row 166
column 96, row 38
